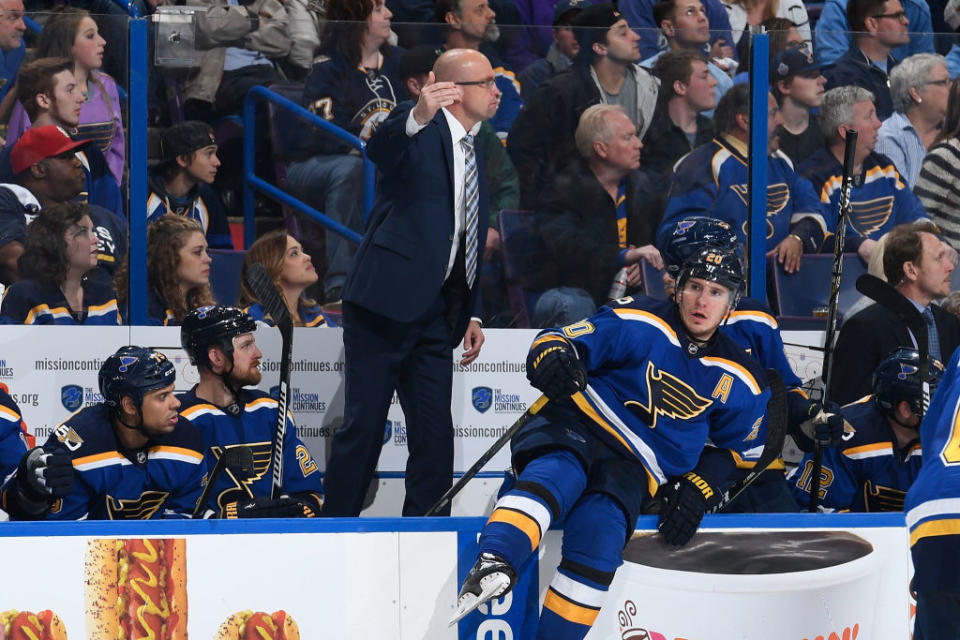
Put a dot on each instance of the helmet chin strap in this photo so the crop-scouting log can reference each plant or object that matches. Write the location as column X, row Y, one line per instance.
column 234, row 409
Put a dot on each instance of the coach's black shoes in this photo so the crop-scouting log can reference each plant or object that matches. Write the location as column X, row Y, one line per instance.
column 490, row 577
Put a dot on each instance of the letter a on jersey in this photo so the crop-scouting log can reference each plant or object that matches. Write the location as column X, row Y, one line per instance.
column 669, row 396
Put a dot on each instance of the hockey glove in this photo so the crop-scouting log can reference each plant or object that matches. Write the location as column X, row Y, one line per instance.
column 824, row 425
column 263, row 507
column 683, row 502
column 44, row 477
column 554, row 368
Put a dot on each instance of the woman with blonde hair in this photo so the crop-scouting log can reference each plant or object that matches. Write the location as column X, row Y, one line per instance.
column 292, row 272
column 178, row 271
column 71, row 33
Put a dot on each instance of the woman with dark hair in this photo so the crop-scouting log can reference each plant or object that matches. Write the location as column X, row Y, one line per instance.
column 178, row 271
column 71, row 33
column 938, row 185
column 354, row 84
column 291, row 271
column 57, row 286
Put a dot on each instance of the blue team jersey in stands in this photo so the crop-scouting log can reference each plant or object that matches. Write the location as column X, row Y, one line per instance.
column 161, row 480
column 655, row 396
column 38, row 302
column 933, row 502
column 253, row 428
column 712, row 181
column 310, row 316
column 879, row 199
column 869, row 472
column 13, row 437
column 201, row 204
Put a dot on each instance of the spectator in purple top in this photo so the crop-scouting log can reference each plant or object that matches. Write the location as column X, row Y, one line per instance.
column 72, row 33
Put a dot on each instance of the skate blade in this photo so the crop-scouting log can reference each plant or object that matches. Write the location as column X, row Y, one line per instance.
column 491, row 587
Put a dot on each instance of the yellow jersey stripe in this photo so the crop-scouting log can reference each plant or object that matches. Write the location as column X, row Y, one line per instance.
column 734, row 368
column 932, row 528
column 568, row 610
column 521, row 521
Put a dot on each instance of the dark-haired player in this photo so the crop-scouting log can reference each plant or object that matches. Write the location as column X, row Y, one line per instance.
column 130, row 457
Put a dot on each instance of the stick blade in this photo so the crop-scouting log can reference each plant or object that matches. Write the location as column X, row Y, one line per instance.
column 260, row 282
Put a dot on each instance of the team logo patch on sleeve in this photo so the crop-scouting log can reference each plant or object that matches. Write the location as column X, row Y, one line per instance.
column 669, row 396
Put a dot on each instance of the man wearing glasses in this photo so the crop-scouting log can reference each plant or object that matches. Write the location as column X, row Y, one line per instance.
column 877, row 27
column 412, row 292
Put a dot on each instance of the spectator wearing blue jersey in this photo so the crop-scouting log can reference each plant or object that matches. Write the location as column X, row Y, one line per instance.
column 919, row 87
column 355, row 84
column 181, row 182
column 55, row 286
column 130, row 457
column 878, row 27
column 879, row 198
column 712, row 181
column 292, row 272
column 178, row 271
column 832, row 31
column 880, row 456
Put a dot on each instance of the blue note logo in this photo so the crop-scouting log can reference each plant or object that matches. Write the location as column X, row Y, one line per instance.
column 482, row 398
column 71, row 396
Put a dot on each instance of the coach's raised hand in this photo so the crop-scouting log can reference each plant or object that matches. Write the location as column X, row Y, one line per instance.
column 433, row 97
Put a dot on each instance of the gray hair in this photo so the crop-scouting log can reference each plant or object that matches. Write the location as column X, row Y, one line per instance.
column 594, row 126
column 837, row 108
column 913, row 72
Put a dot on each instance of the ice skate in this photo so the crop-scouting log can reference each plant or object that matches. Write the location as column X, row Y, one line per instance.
column 489, row 578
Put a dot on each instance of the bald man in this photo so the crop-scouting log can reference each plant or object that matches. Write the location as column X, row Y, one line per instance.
column 413, row 291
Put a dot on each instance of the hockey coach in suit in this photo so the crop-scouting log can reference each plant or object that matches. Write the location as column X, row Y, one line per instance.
column 413, row 290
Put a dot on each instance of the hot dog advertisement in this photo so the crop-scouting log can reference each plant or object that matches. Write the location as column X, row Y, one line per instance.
column 287, row 580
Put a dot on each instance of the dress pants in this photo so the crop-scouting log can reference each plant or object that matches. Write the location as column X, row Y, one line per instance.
column 415, row 359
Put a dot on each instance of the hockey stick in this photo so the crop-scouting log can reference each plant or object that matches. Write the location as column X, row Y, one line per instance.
column 489, row 453
column 773, row 445
column 262, row 286
column 846, row 184
column 238, row 459
column 887, row 296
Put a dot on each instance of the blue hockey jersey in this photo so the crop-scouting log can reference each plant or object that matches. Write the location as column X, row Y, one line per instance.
column 712, row 181
column 38, row 302
column 656, row 396
column 879, row 199
column 254, row 428
column 310, row 316
column 161, row 480
column 201, row 204
column 933, row 502
column 13, row 437
column 868, row 472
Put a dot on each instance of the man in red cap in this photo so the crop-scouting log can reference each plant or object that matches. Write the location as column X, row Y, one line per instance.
column 48, row 172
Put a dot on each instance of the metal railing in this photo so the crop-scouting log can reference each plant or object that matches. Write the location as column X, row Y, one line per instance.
column 252, row 183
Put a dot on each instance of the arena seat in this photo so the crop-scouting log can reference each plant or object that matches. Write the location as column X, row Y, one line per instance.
column 798, row 294
column 225, row 275
column 517, row 238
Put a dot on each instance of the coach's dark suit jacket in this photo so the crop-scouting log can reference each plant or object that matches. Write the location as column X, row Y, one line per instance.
column 399, row 268
column 868, row 337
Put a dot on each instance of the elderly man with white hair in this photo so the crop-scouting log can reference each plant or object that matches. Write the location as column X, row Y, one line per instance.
column 919, row 87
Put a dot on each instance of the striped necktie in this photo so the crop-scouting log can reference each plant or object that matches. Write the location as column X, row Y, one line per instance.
column 471, row 206
column 933, row 337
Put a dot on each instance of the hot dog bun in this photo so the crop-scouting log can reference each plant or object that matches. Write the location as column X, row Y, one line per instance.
column 136, row 588
column 250, row 625
column 26, row 625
